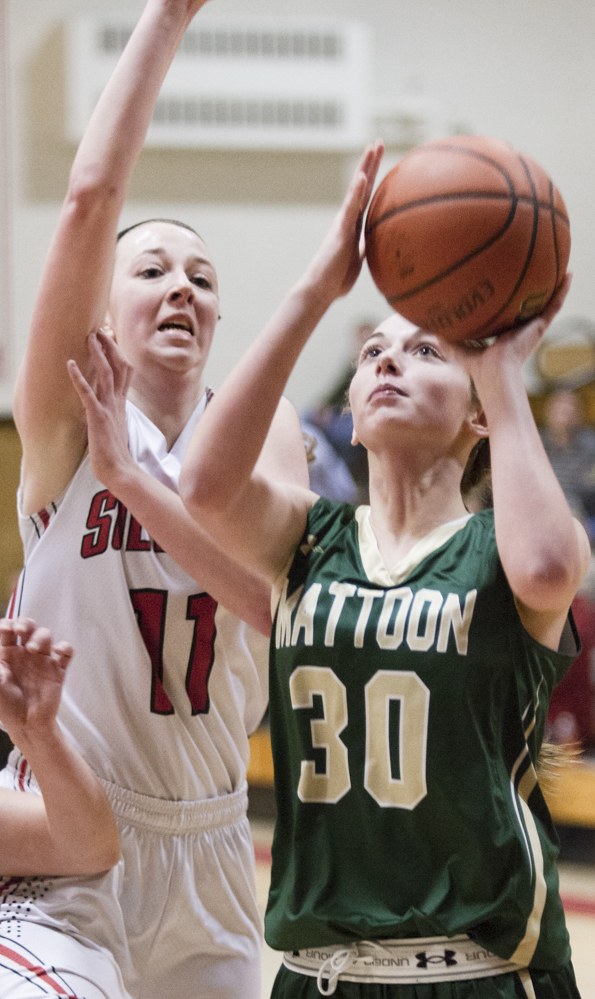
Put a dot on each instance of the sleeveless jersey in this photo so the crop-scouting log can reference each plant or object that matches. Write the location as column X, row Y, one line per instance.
column 164, row 683
column 407, row 712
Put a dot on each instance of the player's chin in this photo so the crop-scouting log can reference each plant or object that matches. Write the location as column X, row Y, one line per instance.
column 179, row 357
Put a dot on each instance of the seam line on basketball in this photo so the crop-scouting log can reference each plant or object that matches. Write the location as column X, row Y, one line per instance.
column 554, row 233
column 465, row 152
column 503, row 308
column 460, row 263
column 465, row 196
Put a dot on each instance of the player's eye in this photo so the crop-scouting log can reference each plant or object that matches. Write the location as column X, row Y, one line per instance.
column 201, row 281
column 151, row 272
column 426, row 350
column 371, row 350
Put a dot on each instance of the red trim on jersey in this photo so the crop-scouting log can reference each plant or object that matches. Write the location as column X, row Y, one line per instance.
column 35, row 969
column 44, row 518
column 10, row 883
column 11, row 605
column 21, row 775
column 574, row 903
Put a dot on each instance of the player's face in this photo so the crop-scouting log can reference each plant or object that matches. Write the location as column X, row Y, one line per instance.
column 409, row 387
column 164, row 301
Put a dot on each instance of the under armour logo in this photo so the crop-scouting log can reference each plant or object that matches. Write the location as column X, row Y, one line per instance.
column 423, row 959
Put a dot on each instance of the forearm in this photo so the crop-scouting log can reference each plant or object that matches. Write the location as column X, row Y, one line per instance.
column 221, row 484
column 76, row 832
column 117, row 129
column 236, row 424
column 73, row 293
column 164, row 517
column 239, row 420
column 537, row 537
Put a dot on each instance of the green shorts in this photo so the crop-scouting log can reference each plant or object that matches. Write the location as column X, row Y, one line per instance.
column 546, row 985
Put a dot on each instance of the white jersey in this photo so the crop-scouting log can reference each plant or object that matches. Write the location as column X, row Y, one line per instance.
column 164, row 683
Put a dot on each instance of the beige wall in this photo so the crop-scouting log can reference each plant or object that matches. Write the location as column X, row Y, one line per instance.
column 5, row 200
column 11, row 553
column 519, row 69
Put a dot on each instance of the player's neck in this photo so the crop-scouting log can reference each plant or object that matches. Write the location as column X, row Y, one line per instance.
column 168, row 403
column 408, row 500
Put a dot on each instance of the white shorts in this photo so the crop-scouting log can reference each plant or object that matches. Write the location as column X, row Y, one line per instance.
column 188, row 897
column 38, row 961
column 178, row 913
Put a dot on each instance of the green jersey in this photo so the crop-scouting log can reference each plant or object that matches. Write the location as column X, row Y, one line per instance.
column 407, row 712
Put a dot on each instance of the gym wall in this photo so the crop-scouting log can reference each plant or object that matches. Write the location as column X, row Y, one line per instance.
column 519, row 69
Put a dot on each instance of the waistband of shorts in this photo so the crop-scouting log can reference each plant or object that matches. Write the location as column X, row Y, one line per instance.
column 398, row 962
column 176, row 817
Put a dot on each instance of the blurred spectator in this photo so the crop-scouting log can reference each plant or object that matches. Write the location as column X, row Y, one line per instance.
column 329, row 475
column 332, row 419
column 570, row 446
column 571, row 715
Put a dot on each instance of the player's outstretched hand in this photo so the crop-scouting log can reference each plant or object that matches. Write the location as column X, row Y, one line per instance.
column 337, row 263
column 32, row 672
column 512, row 347
column 105, row 407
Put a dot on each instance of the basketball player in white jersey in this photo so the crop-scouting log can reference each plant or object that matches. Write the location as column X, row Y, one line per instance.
column 165, row 682
column 66, row 828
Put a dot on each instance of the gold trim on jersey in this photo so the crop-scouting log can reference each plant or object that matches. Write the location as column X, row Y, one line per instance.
column 372, row 561
column 525, row 950
column 525, row 977
column 520, row 796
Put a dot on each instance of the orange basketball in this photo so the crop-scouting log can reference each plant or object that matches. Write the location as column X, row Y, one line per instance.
column 466, row 237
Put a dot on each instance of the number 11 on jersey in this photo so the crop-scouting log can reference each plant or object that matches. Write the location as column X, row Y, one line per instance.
column 150, row 607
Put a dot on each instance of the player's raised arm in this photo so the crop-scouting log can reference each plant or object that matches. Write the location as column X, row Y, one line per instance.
column 157, row 508
column 222, row 483
column 73, row 293
column 70, row 830
column 544, row 550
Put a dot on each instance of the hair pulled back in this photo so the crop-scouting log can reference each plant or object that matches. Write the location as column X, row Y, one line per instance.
column 136, row 225
column 476, row 483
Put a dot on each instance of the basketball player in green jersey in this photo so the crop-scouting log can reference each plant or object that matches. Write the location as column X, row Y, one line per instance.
column 414, row 651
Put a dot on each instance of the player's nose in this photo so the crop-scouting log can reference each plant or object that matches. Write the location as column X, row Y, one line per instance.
column 389, row 361
column 181, row 290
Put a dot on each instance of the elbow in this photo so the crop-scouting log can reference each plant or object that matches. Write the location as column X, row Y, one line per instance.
column 105, row 856
column 110, row 851
column 187, row 494
column 102, row 850
column 262, row 621
column 547, row 584
column 198, row 494
column 90, row 192
column 265, row 626
column 110, row 857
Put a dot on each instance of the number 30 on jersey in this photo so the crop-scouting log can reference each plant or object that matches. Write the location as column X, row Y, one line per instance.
column 386, row 686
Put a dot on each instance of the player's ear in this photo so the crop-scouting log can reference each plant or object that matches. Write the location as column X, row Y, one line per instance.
column 354, row 440
column 477, row 418
column 478, row 422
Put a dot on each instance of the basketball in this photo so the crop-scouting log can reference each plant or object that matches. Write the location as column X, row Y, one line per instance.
column 467, row 237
